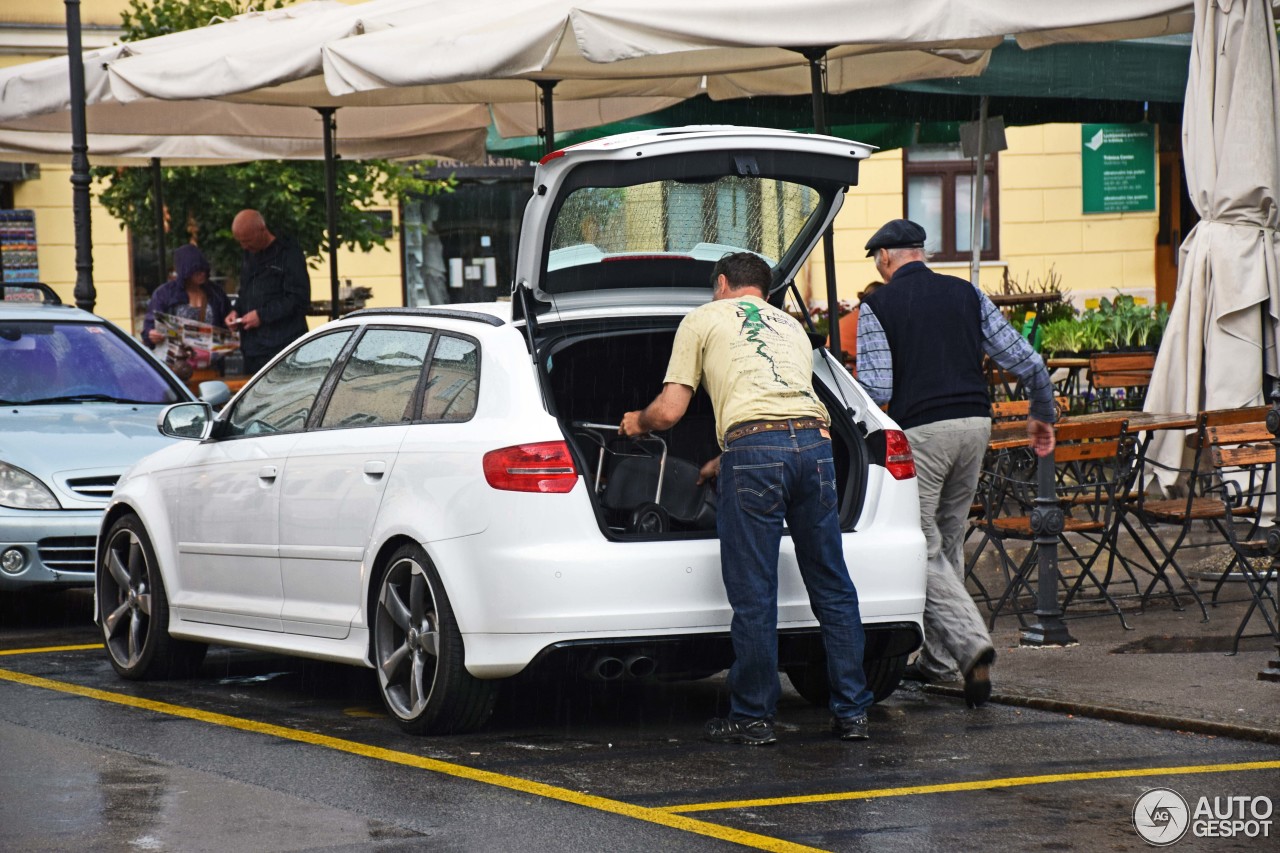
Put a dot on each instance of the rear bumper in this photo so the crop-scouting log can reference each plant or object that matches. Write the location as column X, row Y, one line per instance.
column 673, row 655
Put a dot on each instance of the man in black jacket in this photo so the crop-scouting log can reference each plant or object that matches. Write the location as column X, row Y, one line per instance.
column 275, row 291
column 921, row 340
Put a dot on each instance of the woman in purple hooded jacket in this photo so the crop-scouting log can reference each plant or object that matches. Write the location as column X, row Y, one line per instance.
column 189, row 295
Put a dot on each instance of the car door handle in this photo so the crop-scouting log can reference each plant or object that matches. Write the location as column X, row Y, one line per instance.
column 375, row 468
column 267, row 472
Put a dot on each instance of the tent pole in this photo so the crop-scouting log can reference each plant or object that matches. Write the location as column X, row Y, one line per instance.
column 548, row 115
column 331, row 204
column 85, row 294
column 817, row 85
column 157, row 197
column 976, row 195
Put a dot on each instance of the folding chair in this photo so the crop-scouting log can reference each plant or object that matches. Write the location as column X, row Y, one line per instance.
column 1241, row 457
column 1002, row 412
column 1200, row 503
column 1112, row 371
column 1001, row 384
column 1092, row 462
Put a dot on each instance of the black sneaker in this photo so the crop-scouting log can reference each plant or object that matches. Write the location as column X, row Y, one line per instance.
column 851, row 728
column 977, row 680
column 747, row 732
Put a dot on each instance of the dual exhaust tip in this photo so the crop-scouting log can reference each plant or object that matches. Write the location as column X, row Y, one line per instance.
column 611, row 668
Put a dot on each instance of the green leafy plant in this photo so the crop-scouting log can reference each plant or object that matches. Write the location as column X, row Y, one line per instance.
column 1065, row 334
column 1092, row 335
column 200, row 202
column 1159, row 324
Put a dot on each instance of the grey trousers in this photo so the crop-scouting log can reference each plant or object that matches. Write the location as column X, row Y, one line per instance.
column 948, row 457
column 954, row 634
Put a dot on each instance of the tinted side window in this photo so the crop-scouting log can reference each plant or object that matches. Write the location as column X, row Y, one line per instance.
column 281, row 399
column 379, row 379
column 454, row 381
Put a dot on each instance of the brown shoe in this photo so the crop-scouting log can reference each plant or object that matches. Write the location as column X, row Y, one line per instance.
column 977, row 680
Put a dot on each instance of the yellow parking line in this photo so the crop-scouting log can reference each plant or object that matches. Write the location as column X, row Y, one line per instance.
column 975, row 785
column 525, row 786
column 47, row 649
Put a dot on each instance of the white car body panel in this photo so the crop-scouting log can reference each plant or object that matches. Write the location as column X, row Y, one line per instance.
column 288, row 563
column 228, row 558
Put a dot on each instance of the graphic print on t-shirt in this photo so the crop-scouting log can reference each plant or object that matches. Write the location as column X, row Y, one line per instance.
column 753, row 324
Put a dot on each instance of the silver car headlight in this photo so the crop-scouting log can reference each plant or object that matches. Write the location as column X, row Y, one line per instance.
column 20, row 490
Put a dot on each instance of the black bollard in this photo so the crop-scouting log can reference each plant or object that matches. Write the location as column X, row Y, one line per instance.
column 1047, row 521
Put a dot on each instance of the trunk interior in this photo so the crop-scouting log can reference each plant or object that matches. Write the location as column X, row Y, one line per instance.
column 594, row 374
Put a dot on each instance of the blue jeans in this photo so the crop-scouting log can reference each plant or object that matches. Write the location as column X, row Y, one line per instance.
column 766, row 478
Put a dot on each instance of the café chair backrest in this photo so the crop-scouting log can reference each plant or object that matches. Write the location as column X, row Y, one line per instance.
column 1121, row 369
column 1228, row 417
column 1012, row 410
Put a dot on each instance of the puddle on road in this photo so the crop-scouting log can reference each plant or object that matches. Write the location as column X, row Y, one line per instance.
column 250, row 679
column 1191, row 645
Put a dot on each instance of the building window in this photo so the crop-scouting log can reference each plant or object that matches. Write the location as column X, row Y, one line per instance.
column 461, row 246
column 938, row 180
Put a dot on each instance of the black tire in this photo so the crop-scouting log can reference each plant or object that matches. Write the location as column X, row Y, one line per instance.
column 649, row 518
column 418, row 652
column 810, row 681
column 884, row 674
column 133, row 609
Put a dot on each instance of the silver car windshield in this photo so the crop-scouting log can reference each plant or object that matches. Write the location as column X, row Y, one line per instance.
column 46, row 363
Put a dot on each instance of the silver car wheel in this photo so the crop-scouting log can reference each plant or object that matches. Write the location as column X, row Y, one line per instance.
column 407, row 639
column 126, row 592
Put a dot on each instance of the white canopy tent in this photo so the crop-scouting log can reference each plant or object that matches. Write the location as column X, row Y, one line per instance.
column 1221, row 340
column 740, row 47
column 281, row 64
column 743, row 47
column 208, row 132
column 304, row 65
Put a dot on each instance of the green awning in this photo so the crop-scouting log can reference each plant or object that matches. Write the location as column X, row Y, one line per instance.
column 1120, row 82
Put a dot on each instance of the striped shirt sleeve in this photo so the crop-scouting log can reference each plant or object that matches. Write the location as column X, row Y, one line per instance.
column 875, row 361
column 1013, row 353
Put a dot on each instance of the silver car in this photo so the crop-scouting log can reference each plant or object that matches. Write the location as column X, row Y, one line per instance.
column 79, row 400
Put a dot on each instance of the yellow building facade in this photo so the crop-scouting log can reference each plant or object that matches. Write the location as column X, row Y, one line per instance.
column 1041, row 225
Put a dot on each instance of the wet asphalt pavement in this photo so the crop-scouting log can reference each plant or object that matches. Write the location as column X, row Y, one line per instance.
column 267, row 753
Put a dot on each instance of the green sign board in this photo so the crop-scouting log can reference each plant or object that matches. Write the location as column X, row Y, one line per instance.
column 1118, row 165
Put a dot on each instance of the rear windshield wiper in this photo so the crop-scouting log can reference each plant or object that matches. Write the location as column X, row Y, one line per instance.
column 83, row 398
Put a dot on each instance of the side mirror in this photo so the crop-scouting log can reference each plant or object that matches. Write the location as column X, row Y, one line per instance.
column 187, row 420
column 216, row 393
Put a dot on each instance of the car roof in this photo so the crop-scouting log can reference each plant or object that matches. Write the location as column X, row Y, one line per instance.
column 21, row 310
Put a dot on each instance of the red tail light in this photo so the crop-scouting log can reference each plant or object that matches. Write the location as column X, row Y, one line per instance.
column 542, row 467
column 898, row 459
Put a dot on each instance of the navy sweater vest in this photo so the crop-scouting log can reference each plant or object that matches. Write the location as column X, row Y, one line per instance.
column 933, row 324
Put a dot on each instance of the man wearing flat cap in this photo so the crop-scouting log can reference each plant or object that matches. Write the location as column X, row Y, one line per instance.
column 921, row 340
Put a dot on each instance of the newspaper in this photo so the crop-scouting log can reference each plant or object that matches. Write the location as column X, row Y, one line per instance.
column 192, row 342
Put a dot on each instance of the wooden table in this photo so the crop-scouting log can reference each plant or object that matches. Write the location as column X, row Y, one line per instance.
column 1014, row 433
column 1072, row 388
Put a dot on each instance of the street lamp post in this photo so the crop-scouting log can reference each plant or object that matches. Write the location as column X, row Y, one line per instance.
column 1047, row 520
column 85, row 294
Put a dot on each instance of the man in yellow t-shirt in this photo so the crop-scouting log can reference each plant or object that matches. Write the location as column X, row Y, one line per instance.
column 756, row 363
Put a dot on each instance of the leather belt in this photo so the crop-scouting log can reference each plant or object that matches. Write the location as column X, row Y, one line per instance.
column 753, row 427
